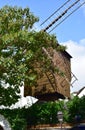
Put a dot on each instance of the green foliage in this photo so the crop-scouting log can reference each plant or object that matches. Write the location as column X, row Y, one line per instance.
column 14, row 52
column 76, row 106
column 20, row 49
column 60, row 47
column 45, row 113
column 15, row 117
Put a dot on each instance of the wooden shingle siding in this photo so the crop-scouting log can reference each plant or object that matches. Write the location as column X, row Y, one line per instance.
column 52, row 82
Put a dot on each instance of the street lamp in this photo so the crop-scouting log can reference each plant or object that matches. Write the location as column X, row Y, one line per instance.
column 60, row 118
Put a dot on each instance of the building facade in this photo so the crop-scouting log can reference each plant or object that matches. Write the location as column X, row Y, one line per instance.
column 53, row 85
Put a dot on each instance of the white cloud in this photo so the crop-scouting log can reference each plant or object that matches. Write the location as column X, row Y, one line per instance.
column 77, row 51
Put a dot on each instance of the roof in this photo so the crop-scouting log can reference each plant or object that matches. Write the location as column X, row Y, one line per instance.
column 81, row 92
column 65, row 52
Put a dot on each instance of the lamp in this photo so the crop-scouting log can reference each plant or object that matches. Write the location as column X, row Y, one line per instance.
column 60, row 118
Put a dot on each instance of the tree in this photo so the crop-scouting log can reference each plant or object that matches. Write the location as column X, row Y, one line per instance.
column 20, row 48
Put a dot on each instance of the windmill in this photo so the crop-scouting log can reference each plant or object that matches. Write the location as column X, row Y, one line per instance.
column 61, row 14
column 53, row 86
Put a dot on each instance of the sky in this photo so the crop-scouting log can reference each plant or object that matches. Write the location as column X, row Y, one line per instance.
column 71, row 32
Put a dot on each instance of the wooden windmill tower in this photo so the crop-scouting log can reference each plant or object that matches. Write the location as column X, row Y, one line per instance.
column 51, row 85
